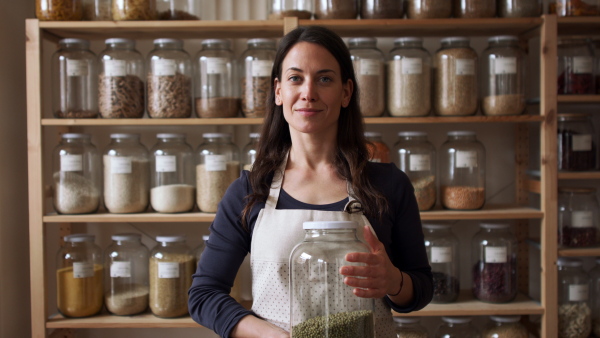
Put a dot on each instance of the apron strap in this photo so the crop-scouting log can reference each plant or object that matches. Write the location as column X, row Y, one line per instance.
column 276, row 184
column 353, row 206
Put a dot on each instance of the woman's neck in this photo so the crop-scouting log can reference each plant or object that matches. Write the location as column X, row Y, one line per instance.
column 311, row 151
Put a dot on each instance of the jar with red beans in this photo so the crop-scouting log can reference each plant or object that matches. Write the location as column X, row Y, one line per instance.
column 575, row 66
column 578, row 213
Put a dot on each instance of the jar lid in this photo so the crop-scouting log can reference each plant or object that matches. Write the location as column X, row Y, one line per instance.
column 362, row 40
column 408, row 39
column 254, row 135
column 573, row 117
column 171, row 239
column 162, row 41
column 79, row 238
column 412, row 133
column 490, row 225
column 372, row 134
column 207, row 42
column 174, row 135
column 330, row 225
column 75, row 136
column 84, row 42
column 577, row 190
column 119, row 40
column 461, row 133
column 126, row 237
column 205, row 237
column 457, row 320
column 436, row 226
column 506, row 319
column 570, row 262
column 407, row 320
column 455, row 39
column 124, row 135
column 499, row 38
column 261, row 40
column 216, row 135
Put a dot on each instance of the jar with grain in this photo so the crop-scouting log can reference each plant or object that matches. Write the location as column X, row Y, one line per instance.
column 409, row 78
column 172, row 174
column 369, row 68
column 250, row 151
column 455, row 82
column 58, row 10
column 381, row 9
column 169, row 80
column 505, row 327
column 455, row 327
column 172, row 264
column 215, row 69
column 577, row 150
column 178, row 9
column 474, row 8
column 79, row 273
column 97, row 10
column 575, row 66
column 415, row 155
column 462, row 174
column 428, row 9
column 76, row 177
column 257, row 63
column 120, row 84
column 442, row 248
column 336, row 9
column 409, row 327
column 519, row 8
column 279, row 9
column 318, row 294
column 133, row 10
column 574, row 8
column 595, row 297
column 378, row 151
column 74, row 80
column 578, row 217
column 494, row 258
column 574, row 312
column 503, row 77
column 126, row 275
column 126, row 175
column 217, row 166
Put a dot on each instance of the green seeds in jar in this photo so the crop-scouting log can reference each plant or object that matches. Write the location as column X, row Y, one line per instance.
column 355, row 324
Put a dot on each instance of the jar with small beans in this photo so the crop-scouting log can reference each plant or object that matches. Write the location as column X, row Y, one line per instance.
column 369, row 67
column 97, row 10
column 442, row 248
column 574, row 312
column 519, row 8
column 474, row 8
column 574, row 7
column 59, row 10
column 133, row 10
column 575, row 67
column 578, row 217
column 178, row 9
column 257, row 63
column 577, row 150
column 457, row 327
column 428, row 9
column 250, row 151
column 378, row 151
column 381, row 9
column 595, row 297
column 336, row 9
column 279, row 9
column 505, row 327
column 409, row 327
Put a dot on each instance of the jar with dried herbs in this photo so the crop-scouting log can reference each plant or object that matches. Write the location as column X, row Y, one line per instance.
column 474, row 8
column 279, row 9
column 336, row 9
column 455, row 82
column 574, row 7
column 575, row 67
column 574, row 312
column 505, row 327
column 215, row 71
column 250, row 150
column 577, row 149
column 455, row 327
column 74, row 80
column 369, row 68
column 169, row 80
column 381, row 9
column 97, row 10
column 120, row 84
column 595, row 297
column 428, row 9
column 133, row 10
column 257, row 63
column 578, row 217
column 172, row 264
column 178, row 9
column 442, row 248
column 378, row 150
column 58, row 10
column 519, row 8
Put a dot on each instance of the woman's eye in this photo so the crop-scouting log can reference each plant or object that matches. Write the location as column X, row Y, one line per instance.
column 294, row 78
column 326, row 79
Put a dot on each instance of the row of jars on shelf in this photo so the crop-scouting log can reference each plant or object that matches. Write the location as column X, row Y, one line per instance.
column 496, row 327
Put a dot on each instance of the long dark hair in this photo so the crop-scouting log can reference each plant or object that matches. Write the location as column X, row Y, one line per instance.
column 275, row 140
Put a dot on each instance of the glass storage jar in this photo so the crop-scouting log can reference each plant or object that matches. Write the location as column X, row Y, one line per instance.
column 381, row 9
column 494, row 258
column 505, row 327
column 574, row 313
column 250, row 151
column 574, row 8
column 172, row 174
column 519, row 8
column 79, row 273
column 97, row 10
column 74, row 80
column 416, row 157
column 378, row 151
column 462, row 174
column 409, row 327
column 442, row 248
column 336, row 9
column 178, row 9
column 455, row 80
column 595, row 297
column 278, row 9
column 457, row 327
column 120, row 80
column 369, row 68
column 474, row 8
column 576, row 143
column 216, row 92
column 318, row 295
column 578, row 217
column 257, row 63
column 503, row 77
column 126, row 275
column 172, row 264
column 133, row 10
column 126, row 174
column 169, row 80
column 200, row 248
column 409, row 78
column 217, row 166
column 58, row 10
column 428, row 9
column 575, row 66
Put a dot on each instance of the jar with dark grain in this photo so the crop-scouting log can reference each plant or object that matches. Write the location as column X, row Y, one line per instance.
column 575, row 66
column 578, row 217
column 577, row 149
column 442, row 248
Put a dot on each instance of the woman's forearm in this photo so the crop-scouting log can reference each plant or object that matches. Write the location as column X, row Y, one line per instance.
column 251, row 326
column 405, row 295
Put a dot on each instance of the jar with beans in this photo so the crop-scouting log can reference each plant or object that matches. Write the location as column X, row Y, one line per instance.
column 369, row 67
column 442, row 248
column 409, row 327
column 474, row 8
column 257, row 63
column 134, row 10
column 428, row 9
column 578, row 217
column 378, row 151
column 250, row 151
column 97, row 10
column 505, row 327
column 519, row 8
column 58, row 10
column 574, row 312
column 455, row 327
column 595, row 297
column 574, row 7
column 178, row 9
column 279, row 9
column 575, row 67
column 336, row 9
column 577, row 150
column 381, row 9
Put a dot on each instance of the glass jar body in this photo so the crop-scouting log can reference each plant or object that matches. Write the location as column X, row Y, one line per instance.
column 577, row 150
column 278, row 9
column 456, row 330
column 442, row 248
column 410, row 328
column 257, row 63
column 519, row 8
column 574, row 8
column 415, row 155
column 378, row 151
column 505, row 327
column 575, row 67
column 250, row 151
column 578, row 214
column 381, row 9
column 428, row 9
column 474, row 8
column 595, row 297
column 133, row 10
column 178, row 9
column 58, row 10
column 97, row 10
column 574, row 313
column 336, row 9
column 369, row 67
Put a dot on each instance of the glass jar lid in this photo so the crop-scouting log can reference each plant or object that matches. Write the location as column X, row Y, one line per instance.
column 216, row 43
column 254, row 135
column 83, row 43
column 457, row 320
column 505, row 319
column 75, row 136
column 173, row 135
column 170, row 239
column 452, row 39
column 407, row 320
column 79, row 238
column 503, row 38
column 436, row 226
column 120, row 41
column 327, row 225
column 573, row 117
column 409, row 39
column 126, row 237
column 569, row 262
column 411, row 133
column 216, row 135
column 364, row 41
column 461, row 133
column 494, row 225
column 167, row 41
column 121, row 135
column 261, row 41
column 372, row 134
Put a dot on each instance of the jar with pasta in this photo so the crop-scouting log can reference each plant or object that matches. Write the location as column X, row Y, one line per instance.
column 381, row 9
column 474, row 8
column 574, row 7
column 519, row 8
column 578, row 217
column 409, row 327
column 575, row 66
column 369, row 68
column 178, row 9
column 378, row 150
column 97, row 10
column 442, row 248
column 505, row 327
column 336, row 9
column 133, row 10
column 59, row 10
column 279, row 9
column 574, row 312
column 257, row 63
column 428, row 9
column 250, row 151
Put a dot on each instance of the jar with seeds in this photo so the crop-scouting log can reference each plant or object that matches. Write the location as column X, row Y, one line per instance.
column 519, row 8
column 574, row 7
column 58, row 10
column 169, row 80
column 172, row 264
column 369, row 67
column 505, row 327
column 409, row 327
column 455, row 327
column 462, row 171
column 250, row 151
column 577, row 150
column 442, row 248
column 595, row 297
column 76, row 175
column 336, row 9
column 178, row 9
column 455, row 80
column 133, row 10
column 279, row 9
column 257, row 63
column 575, row 66
column 474, row 8
column 381, row 9
column 578, row 217
column 97, row 10
column 172, row 186
column 126, row 175
column 428, row 9
column 574, row 312
column 120, row 84
column 126, row 275
column 378, row 150
column 217, row 166
column 503, row 77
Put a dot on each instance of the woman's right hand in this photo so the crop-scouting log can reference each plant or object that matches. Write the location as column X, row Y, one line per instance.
column 251, row 326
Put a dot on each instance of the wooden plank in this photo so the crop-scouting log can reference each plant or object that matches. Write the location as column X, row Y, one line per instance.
column 579, row 25
column 583, row 175
column 578, row 98
column 533, row 186
column 579, row 252
column 289, row 24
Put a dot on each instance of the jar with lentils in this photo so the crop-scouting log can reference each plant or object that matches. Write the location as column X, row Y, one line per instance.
column 577, row 150
column 474, row 8
column 369, row 67
column 519, row 8
column 257, row 63
column 336, row 9
column 381, row 9
column 428, row 9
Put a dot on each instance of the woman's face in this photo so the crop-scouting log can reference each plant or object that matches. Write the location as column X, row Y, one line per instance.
column 311, row 89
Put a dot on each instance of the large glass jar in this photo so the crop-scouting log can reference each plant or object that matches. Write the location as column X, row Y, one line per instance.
column 462, row 171
column 126, row 175
column 79, row 273
column 575, row 66
column 257, row 63
column 442, row 248
column 74, row 80
column 278, row 9
column 455, row 83
column 200, row 248
column 172, row 174
column 595, row 297
column 336, row 9
column 503, row 77
column 578, row 217
column 505, row 327
column 369, row 68
column 133, row 10
column 178, row 9
column 574, row 8
column 76, row 175
column 120, row 84
column 416, row 157
column 519, row 8
column 474, row 8
column 169, row 80
column 409, row 78
column 217, row 166
column 428, row 9
column 576, row 143
column 318, row 294
column 216, row 92
column 126, row 271
column 381, row 9
column 574, row 313
column 58, row 10
column 457, row 327
column 494, row 258
column 250, row 151
column 97, row 10
column 378, row 151
column 409, row 327
column 172, row 264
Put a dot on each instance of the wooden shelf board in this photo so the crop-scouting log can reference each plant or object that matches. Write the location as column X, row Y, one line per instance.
column 578, row 98
column 488, row 212
column 582, row 252
column 580, row 25
column 105, row 321
column 582, row 175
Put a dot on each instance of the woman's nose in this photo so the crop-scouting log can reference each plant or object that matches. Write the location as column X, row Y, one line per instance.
column 309, row 92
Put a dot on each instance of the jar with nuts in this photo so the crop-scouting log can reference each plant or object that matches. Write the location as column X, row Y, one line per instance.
column 369, row 67
column 574, row 312
column 257, row 63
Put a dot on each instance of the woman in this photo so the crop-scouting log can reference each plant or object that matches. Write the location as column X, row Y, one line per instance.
column 312, row 137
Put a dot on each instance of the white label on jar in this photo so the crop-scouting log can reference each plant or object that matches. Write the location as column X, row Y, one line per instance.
column 582, row 142
column 215, row 162
column 71, row 162
column 582, row 219
column 164, row 67
column 376, row 160
column 582, row 64
column 465, row 67
column 419, row 162
column 216, row 65
column 412, row 66
column 168, row 270
column 261, row 68
column 120, row 165
column 115, row 67
column 507, row 65
column 466, row 159
column 77, row 68
column 166, row 164
column 578, row 292
column 120, row 270
column 83, row 270
column 441, row 254
column 370, row 67
column 495, row 254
